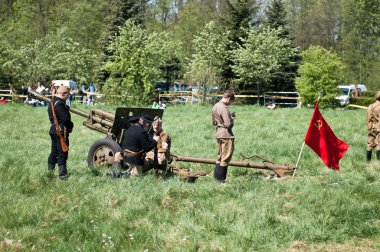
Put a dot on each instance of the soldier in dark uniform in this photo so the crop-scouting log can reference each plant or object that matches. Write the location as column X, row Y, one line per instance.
column 57, row 155
column 136, row 144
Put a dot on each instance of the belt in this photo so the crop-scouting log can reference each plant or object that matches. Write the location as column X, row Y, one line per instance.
column 129, row 153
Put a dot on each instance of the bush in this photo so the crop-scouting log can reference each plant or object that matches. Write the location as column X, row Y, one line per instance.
column 365, row 99
column 362, row 101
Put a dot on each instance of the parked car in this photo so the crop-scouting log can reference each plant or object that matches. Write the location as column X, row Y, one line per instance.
column 346, row 91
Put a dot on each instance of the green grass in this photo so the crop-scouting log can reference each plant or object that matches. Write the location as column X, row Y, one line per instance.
column 319, row 209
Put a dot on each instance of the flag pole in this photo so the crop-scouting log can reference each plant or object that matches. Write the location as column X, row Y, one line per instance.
column 299, row 157
column 303, row 144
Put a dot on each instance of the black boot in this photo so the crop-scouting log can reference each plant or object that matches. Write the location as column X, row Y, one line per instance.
column 369, row 155
column 220, row 173
column 378, row 154
column 51, row 167
column 62, row 172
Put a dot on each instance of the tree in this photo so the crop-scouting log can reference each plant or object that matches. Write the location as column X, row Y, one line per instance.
column 136, row 61
column 276, row 17
column 34, row 62
column 206, row 65
column 6, row 54
column 360, row 41
column 320, row 70
column 191, row 20
column 315, row 22
column 236, row 17
column 260, row 56
column 283, row 79
column 118, row 12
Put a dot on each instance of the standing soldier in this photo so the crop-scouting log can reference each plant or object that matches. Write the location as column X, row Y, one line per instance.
column 373, row 125
column 61, row 126
column 224, row 121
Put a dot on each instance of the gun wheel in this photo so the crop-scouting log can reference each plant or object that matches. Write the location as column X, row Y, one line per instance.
column 102, row 153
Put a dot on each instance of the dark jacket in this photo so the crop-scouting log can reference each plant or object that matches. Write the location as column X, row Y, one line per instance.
column 136, row 139
column 63, row 116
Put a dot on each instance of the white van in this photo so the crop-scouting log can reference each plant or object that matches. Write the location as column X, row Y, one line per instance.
column 68, row 83
column 346, row 91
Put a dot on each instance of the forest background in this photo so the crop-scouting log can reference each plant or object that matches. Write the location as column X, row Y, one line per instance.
column 125, row 46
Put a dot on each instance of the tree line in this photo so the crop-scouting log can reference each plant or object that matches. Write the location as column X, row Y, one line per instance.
column 124, row 46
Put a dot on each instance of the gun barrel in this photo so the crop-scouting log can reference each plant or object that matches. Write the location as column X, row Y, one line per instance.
column 101, row 121
column 95, row 116
column 278, row 169
column 104, row 114
column 46, row 99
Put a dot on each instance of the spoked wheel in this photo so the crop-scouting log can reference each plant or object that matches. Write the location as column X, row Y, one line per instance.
column 102, row 153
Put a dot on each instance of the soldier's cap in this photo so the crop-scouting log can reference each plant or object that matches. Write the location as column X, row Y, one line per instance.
column 147, row 118
column 63, row 89
column 134, row 119
column 157, row 119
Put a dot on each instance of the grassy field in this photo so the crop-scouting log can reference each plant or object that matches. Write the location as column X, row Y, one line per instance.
column 317, row 210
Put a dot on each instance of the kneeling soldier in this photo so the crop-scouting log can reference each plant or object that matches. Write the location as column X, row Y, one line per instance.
column 136, row 144
column 158, row 158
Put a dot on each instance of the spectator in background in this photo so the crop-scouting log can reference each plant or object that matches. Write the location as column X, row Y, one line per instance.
column 23, row 91
column 32, row 101
column 82, row 93
column 155, row 105
column 53, row 89
column 3, row 100
column 271, row 105
column 72, row 94
column 90, row 96
column 161, row 105
column 356, row 92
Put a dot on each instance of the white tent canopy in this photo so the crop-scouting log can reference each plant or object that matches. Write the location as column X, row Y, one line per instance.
column 68, row 83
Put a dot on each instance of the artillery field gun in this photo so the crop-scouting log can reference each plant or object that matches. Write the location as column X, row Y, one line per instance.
column 101, row 153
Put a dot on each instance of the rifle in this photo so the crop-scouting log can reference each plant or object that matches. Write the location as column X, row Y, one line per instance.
column 64, row 146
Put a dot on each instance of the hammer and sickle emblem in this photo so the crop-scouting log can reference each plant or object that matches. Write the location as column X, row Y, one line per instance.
column 318, row 124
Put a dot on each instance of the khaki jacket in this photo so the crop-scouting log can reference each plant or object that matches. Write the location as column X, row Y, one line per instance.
column 222, row 119
column 373, row 116
column 164, row 142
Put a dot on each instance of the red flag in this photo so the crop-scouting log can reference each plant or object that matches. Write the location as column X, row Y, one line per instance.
column 323, row 141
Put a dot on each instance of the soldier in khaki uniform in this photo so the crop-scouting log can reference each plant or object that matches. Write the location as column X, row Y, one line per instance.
column 373, row 125
column 163, row 147
column 224, row 121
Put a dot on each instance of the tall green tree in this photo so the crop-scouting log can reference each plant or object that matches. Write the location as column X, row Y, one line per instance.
column 320, row 70
column 136, row 62
column 118, row 12
column 283, row 79
column 206, row 66
column 236, row 16
column 275, row 16
column 191, row 20
column 6, row 72
column 314, row 22
column 360, row 41
column 260, row 56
